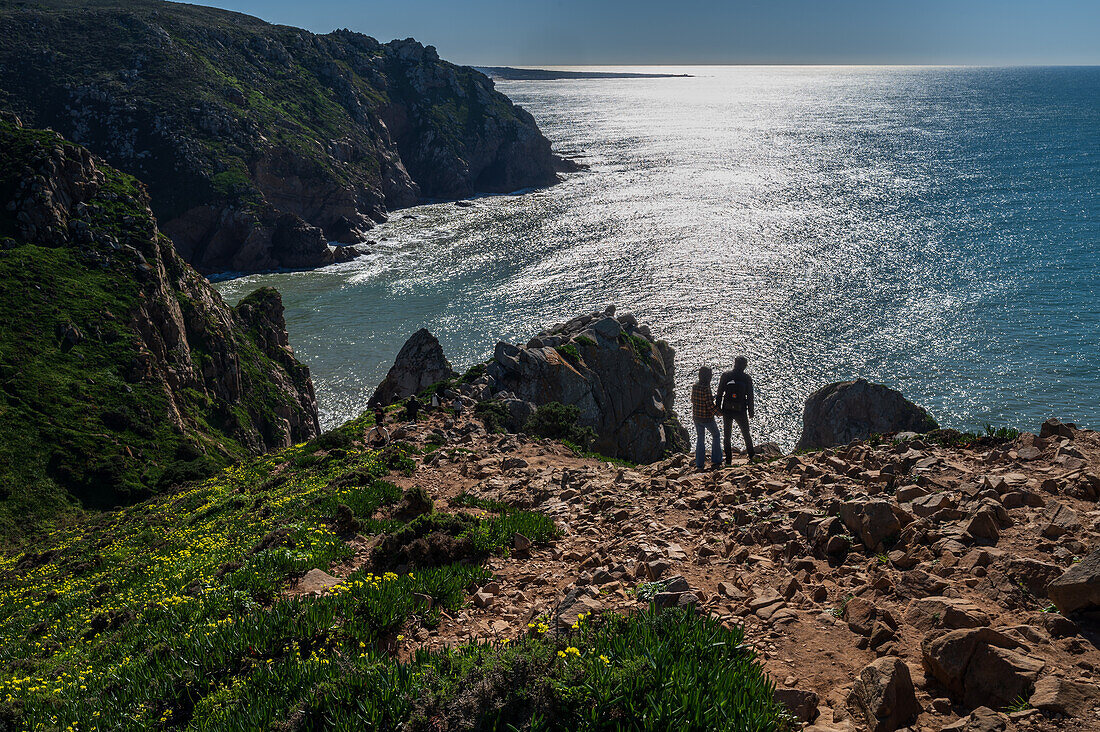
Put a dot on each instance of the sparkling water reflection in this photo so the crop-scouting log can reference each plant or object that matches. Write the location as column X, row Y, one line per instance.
column 934, row 229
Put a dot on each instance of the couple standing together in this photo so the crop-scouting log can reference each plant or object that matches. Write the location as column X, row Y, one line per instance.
column 734, row 402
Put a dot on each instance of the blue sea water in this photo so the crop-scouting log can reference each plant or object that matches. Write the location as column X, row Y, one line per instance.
column 934, row 229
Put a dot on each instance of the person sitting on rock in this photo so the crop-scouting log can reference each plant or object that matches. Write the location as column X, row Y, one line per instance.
column 735, row 401
column 702, row 412
column 378, row 434
column 412, row 408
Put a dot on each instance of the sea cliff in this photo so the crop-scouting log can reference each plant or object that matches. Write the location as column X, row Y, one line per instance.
column 262, row 144
column 123, row 370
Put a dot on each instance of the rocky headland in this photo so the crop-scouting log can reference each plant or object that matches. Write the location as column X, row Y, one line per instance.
column 617, row 375
column 123, row 370
column 260, row 144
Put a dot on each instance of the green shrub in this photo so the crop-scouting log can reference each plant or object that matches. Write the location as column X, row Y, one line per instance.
column 493, row 414
column 558, row 421
column 570, row 353
column 668, row 670
column 473, row 373
column 642, row 348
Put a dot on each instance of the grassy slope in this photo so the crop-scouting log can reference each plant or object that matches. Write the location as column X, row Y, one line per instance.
column 169, row 614
column 73, row 429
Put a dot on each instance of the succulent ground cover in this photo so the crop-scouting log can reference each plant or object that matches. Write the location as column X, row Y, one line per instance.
column 173, row 613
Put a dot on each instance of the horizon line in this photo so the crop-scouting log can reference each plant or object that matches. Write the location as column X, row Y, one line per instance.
column 816, row 65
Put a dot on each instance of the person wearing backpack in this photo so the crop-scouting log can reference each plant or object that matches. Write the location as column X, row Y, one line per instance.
column 735, row 401
column 702, row 412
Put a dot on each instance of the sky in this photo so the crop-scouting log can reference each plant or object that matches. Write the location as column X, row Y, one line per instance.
column 647, row 32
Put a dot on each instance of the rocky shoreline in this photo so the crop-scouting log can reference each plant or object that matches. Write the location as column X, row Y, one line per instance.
column 892, row 574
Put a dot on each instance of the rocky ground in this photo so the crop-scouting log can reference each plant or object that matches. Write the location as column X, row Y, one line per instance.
column 897, row 585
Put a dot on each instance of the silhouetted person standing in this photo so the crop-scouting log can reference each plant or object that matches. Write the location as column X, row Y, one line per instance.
column 702, row 412
column 735, row 401
column 412, row 408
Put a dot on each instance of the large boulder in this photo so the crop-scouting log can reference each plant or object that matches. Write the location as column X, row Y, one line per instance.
column 853, row 410
column 613, row 370
column 1055, row 695
column 981, row 666
column 419, row 364
column 1079, row 587
column 872, row 521
column 883, row 696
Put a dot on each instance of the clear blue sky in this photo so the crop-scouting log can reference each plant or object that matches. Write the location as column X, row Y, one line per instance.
column 522, row 32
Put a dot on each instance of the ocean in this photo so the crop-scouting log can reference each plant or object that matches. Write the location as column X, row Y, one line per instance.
column 933, row 229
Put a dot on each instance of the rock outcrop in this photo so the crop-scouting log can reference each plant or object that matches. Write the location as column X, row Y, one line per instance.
column 612, row 369
column 124, row 371
column 1079, row 587
column 981, row 666
column 261, row 143
column 854, row 410
column 419, row 364
column 883, row 696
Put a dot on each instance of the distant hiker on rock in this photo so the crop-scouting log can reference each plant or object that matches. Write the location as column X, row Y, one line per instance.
column 378, row 433
column 735, row 402
column 412, row 408
column 702, row 412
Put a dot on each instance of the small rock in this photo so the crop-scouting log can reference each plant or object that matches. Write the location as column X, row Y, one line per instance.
column 801, row 704
column 1060, row 696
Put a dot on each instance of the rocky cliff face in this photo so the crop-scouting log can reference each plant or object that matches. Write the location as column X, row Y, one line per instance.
column 123, row 370
column 619, row 377
column 261, row 144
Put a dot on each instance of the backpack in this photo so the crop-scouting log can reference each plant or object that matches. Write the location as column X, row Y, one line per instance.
column 734, row 396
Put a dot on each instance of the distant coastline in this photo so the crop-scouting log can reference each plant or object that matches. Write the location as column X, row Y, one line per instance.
column 513, row 74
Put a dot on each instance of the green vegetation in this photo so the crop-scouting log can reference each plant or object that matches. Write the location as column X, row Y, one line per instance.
column 1002, row 433
column 658, row 671
column 198, row 102
column 570, row 353
column 493, row 414
column 472, row 374
column 581, row 452
column 642, row 348
column 468, row 500
column 172, row 612
column 558, row 421
column 954, row 438
column 88, row 416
